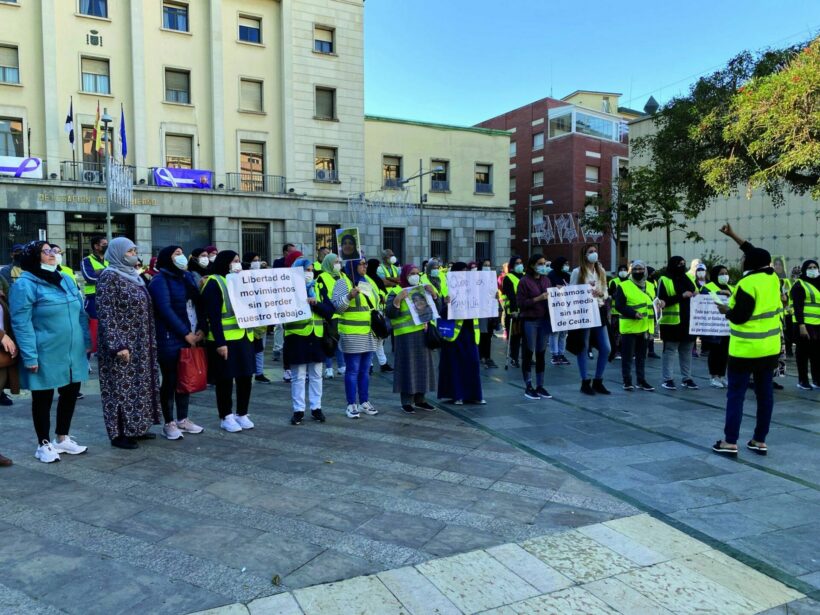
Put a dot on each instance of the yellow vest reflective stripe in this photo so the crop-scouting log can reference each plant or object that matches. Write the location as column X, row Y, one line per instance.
column 515, row 280
column 390, row 270
column 811, row 308
column 230, row 327
column 760, row 335
column 403, row 324
column 314, row 325
column 671, row 313
column 356, row 319
column 788, row 284
column 443, row 291
column 641, row 302
column 91, row 289
column 327, row 282
column 614, row 285
column 457, row 330
column 714, row 288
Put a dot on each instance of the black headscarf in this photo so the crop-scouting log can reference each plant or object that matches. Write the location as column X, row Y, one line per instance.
column 813, row 281
column 676, row 267
column 756, row 258
column 193, row 262
column 247, row 259
column 459, row 266
column 373, row 272
column 222, row 264
column 165, row 260
column 30, row 261
column 714, row 272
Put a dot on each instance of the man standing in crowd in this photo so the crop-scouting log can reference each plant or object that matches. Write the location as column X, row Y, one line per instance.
column 286, row 249
column 92, row 266
column 9, row 273
column 320, row 256
column 388, row 271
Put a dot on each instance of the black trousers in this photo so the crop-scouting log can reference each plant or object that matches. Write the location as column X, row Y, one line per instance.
column 808, row 351
column 718, row 357
column 484, row 343
column 224, row 394
column 633, row 345
column 168, row 394
column 514, row 340
column 41, row 410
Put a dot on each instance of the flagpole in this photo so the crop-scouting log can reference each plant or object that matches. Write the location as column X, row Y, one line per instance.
column 73, row 143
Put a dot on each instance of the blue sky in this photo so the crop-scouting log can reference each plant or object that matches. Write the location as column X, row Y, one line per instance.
column 463, row 61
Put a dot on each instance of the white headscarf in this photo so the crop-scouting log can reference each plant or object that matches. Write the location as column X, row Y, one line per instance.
column 115, row 255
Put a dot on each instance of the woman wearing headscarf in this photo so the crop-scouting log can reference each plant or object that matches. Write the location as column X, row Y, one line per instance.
column 129, row 372
column 198, row 265
column 675, row 289
column 355, row 296
column 634, row 299
column 486, row 327
column 532, row 300
column 559, row 276
column 718, row 346
column 414, row 375
column 51, row 329
column 805, row 296
column 614, row 330
column 231, row 355
column 592, row 273
column 372, row 272
column 459, row 370
column 179, row 321
column 303, row 348
column 326, row 283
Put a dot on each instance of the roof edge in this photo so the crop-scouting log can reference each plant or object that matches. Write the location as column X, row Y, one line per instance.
column 394, row 120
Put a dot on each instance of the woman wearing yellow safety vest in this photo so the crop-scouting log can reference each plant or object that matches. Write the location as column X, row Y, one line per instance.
column 509, row 290
column 718, row 346
column 379, row 355
column 303, row 348
column 805, row 296
column 614, row 329
column 675, row 289
column 355, row 297
column 326, row 281
column 753, row 313
column 231, row 355
column 414, row 374
column 633, row 300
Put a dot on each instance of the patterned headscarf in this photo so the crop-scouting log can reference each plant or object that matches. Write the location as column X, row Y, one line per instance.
column 405, row 271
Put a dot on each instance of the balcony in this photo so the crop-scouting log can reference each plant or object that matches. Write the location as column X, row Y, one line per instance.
column 255, row 182
column 440, row 185
column 393, row 183
column 483, row 188
column 87, row 172
column 327, row 175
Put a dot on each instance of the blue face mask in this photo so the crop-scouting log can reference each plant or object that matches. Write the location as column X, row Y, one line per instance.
column 541, row 269
column 519, row 268
column 434, row 273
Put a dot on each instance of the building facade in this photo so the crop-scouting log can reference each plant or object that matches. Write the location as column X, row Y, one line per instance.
column 562, row 153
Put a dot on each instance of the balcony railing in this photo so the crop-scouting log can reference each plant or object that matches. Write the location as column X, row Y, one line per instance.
column 440, row 185
column 255, row 182
column 394, row 183
column 483, row 188
column 86, row 172
column 327, row 175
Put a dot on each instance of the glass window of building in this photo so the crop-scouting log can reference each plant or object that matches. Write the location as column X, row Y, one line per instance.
column 513, row 150
column 92, row 155
column 393, row 239
column 538, row 141
column 94, row 8
column 537, row 179
column 177, row 86
column 512, row 184
column 250, row 29
column 326, row 103
column 179, row 151
column 325, row 164
column 440, row 180
column 592, row 173
column 250, row 95
column 391, row 171
column 595, row 126
column 175, row 16
column 483, row 178
column 11, row 137
column 440, row 244
column 96, row 76
column 483, row 246
column 560, row 122
column 188, row 232
column 326, row 236
column 9, row 64
column 323, row 39
column 252, row 165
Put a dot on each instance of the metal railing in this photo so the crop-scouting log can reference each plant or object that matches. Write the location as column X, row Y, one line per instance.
column 255, row 182
column 439, row 185
column 393, row 183
column 483, row 188
column 82, row 172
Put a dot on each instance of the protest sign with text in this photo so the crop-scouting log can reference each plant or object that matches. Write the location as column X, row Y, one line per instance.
column 573, row 307
column 268, row 296
column 705, row 319
column 472, row 294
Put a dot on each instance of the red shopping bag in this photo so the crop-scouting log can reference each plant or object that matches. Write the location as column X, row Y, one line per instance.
column 192, row 370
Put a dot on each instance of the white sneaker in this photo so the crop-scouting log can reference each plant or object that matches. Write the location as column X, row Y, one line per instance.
column 46, row 453
column 368, row 408
column 171, row 431
column 229, row 424
column 188, row 427
column 329, row 372
column 287, row 376
column 244, row 421
column 341, row 371
column 352, row 411
column 68, row 446
column 717, row 383
column 725, row 381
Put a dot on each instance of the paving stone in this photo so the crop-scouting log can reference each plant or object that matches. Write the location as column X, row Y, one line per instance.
column 570, row 600
column 534, row 571
column 398, row 528
column 658, row 536
column 623, row 545
column 327, row 567
column 457, row 539
column 279, row 604
column 618, row 595
column 361, row 595
column 416, row 593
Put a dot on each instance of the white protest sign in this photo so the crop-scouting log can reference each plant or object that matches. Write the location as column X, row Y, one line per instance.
column 472, row 294
column 705, row 319
column 573, row 307
column 268, row 296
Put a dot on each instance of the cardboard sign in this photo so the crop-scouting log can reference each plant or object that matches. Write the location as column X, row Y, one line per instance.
column 268, row 296
column 705, row 319
column 421, row 305
column 573, row 307
column 472, row 294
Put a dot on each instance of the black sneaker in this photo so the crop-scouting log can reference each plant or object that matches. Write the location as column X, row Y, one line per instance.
column 262, row 378
column 423, row 405
column 515, row 363
column 5, row 400
column 645, row 386
column 531, row 393
column 296, row 418
column 386, row 368
column 628, row 386
column 669, row 385
column 490, row 364
column 690, row 384
column 543, row 393
column 318, row 415
column 586, row 387
column 80, row 395
column 408, row 409
column 564, row 360
column 555, row 361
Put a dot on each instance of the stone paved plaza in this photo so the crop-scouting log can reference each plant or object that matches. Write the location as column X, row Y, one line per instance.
column 615, row 504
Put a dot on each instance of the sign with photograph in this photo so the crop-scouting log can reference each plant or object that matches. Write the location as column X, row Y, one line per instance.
column 268, row 296
column 421, row 305
column 473, row 294
column 573, row 307
column 350, row 248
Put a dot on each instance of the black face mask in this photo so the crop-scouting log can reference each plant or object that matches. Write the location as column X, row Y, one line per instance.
column 638, row 276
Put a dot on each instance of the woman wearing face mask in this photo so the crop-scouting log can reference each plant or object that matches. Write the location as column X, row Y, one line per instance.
column 414, row 374
column 436, row 276
column 805, row 296
column 532, row 301
column 509, row 290
column 614, row 329
column 718, row 346
column 675, row 289
column 486, row 326
column 231, row 357
column 559, row 276
column 789, row 329
column 326, row 283
column 198, row 265
column 129, row 373
column 252, row 261
column 633, row 299
column 373, row 273
column 52, row 337
column 179, row 318
column 212, row 252
column 591, row 272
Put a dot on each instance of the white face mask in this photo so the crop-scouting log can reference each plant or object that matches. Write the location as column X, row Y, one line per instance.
column 592, row 257
column 256, row 265
column 565, row 268
column 308, row 276
column 47, row 267
column 236, row 267
column 203, row 261
column 337, row 266
column 393, row 260
column 623, row 274
column 59, row 258
column 812, row 273
column 211, row 258
column 413, row 279
column 180, row 261
column 700, row 274
column 723, row 279
column 486, row 269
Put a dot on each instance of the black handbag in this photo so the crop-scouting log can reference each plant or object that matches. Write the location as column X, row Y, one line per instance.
column 330, row 338
column 378, row 323
column 432, row 336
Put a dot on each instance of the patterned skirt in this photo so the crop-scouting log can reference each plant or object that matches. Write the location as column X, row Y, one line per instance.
column 414, row 370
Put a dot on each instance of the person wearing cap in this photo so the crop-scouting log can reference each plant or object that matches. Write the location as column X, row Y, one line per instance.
column 805, row 297
column 388, row 271
column 634, row 298
column 753, row 313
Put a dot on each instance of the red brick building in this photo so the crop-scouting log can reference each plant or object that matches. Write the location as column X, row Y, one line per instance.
column 561, row 153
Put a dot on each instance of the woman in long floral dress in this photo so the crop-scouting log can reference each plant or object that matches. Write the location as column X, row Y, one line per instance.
column 129, row 372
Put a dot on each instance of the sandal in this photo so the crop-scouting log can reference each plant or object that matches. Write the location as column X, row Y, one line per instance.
column 757, row 447
column 723, row 450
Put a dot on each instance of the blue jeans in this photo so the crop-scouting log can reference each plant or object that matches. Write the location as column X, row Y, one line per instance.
column 340, row 360
column 558, row 343
column 357, row 377
column 738, row 383
column 535, row 340
column 602, row 338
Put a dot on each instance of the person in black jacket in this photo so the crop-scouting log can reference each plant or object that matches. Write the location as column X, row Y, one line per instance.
column 559, row 276
column 675, row 335
column 515, row 270
column 805, row 296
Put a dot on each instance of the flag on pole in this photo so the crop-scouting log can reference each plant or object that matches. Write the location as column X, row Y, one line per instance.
column 123, row 140
column 69, row 123
column 98, row 142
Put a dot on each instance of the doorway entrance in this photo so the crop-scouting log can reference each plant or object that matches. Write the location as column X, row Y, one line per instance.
column 80, row 228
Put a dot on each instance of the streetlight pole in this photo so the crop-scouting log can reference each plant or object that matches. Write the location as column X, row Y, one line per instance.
column 419, row 176
column 529, row 229
column 106, row 120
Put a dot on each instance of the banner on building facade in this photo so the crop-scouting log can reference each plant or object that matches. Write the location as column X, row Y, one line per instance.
column 184, row 178
column 28, row 168
column 705, row 319
column 268, row 296
column 573, row 307
column 472, row 294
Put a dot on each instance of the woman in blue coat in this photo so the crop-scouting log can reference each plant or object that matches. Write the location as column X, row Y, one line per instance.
column 179, row 322
column 51, row 327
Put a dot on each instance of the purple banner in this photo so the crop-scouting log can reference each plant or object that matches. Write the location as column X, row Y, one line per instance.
column 184, row 178
column 21, row 167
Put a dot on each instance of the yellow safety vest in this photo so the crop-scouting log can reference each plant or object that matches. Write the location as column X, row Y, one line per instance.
column 457, row 330
column 230, row 327
column 326, row 282
column 91, row 289
column 712, row 287
column 356, row 319
column 811, row 307
column 391, row 270
column 504, row 299
column 760, row 335
column 315, row 325
column 69, row 273
column 614, row 285
column 443, row 292
column 403, row 324
column 641, row 302
column 317, row 266
column 671, row 313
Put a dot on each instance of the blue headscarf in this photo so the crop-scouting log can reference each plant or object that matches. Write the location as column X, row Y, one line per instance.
column 352, row 271
column 304, row 263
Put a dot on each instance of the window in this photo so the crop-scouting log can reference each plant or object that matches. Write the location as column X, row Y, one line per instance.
column 250, row 95
column 94, row 8
column 323, row 39
column 252, row 166
column 250, row 29
column 179, row 151
column 91, row 155
column 393, row 239
column 537, row 179
column 326, row 236
column 391, row 171
column 9, row 65
column 538, row 140
column 483, row 246
column 512, row 149
column 594, row 126
column 256, row 238
column 592, row 173
column 11, row 137
column 440, row 244
column 325, row 103
column 325, row 164
column 175, row 16
column 177, row 86
column 561, row 123
column 512, row 184
column 96, row 79
column 483, row 180
column 440, row 180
